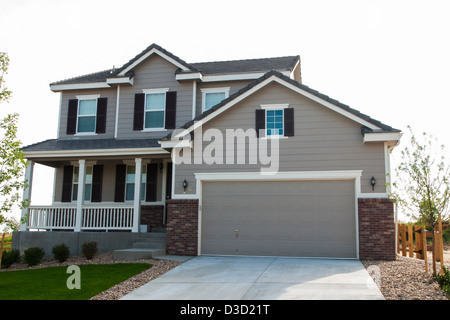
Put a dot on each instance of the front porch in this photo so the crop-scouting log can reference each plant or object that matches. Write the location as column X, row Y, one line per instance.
column 95, row 218
column 100, row 185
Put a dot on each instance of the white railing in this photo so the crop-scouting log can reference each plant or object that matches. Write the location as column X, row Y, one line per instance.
column 107, row 218
column 49, row 217
column 93, row 218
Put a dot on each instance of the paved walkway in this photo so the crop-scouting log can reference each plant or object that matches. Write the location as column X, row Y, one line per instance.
column 265, row 278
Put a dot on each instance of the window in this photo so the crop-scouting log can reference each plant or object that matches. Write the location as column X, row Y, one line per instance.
column 87, row 112
column 213, row 96
column 155, row 106
column 274, row 122
column 87, row 184
column 129, row 182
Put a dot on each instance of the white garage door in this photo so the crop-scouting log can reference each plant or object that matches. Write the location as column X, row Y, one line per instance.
column 279, row 218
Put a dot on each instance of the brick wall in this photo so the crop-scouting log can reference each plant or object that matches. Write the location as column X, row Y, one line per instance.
column 376, row 229
column 182, row 227
column 152, row 216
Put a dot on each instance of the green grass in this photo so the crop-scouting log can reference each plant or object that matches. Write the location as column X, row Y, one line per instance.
column 50, row 283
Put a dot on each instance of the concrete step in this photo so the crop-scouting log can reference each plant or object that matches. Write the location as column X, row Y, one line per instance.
column 155, row 244
column 138, row 253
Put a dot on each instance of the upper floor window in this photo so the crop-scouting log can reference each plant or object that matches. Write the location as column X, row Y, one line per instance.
column 274, row 122
column 87, row 113
column 213, row 96
column 155, row 107
column 154, row 110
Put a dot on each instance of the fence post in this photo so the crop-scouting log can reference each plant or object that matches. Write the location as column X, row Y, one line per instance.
column 419, row 242
column 411, row 241
column 403, row 240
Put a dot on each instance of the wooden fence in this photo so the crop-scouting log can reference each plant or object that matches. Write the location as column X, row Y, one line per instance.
column 3, row 243
column 412, row 240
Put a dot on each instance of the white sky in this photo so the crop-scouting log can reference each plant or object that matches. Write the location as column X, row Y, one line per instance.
column 388, row 59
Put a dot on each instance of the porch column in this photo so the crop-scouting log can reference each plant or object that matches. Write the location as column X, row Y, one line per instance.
column 80, row 195
column 27, row 194
column 137, row 195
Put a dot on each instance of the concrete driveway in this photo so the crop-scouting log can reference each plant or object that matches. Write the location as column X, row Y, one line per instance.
column 261, row 278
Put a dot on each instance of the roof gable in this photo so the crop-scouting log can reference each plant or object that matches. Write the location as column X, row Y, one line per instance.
column 370, row 125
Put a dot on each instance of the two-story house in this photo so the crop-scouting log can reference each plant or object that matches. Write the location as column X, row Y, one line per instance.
column 229, row 158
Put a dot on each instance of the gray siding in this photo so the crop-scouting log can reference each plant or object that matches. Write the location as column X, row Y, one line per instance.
column 154, row 73
column 324, row 140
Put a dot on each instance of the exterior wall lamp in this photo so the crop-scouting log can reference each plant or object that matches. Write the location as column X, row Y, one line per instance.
column 372, row 182
column 185, row 184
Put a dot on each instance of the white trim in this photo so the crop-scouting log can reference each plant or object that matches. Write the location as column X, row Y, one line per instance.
column 121, row 80
column 76, row 86
column 239, row 76
column 59, row 114
column 185, row 143
column 373, row 196
column 225, row 90
column 292, row 75
column 382, row 136
column 157, row 90
column 194, row 98
column 189, row 76
column 94, row 153
column 88, row 96
column 274, row 106
column 148, row 54
column 263, row 84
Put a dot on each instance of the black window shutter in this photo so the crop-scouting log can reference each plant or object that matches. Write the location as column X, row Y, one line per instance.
column 289, row 122
column 119, row 194
column 101, row 115
column 171, row 109
column 72, row 116
column 97, row 179
column 152, row 178
column 67, row 184
column 138, row 123
column 260, row 117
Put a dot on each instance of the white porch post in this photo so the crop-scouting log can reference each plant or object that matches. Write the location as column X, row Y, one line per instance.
column 80, row 195
column 137, row 195
column 27, row 193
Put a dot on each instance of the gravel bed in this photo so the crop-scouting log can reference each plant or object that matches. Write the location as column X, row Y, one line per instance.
column 401, row 279
column 404, row 279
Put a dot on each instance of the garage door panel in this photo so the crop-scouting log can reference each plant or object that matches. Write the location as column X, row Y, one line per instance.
column 274, row 218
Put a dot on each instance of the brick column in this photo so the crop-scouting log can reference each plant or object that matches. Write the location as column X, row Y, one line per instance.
column 376, row 229
column 182, row 227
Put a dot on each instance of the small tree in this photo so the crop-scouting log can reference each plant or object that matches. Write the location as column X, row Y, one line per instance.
column 423, row 185
column 12, row 161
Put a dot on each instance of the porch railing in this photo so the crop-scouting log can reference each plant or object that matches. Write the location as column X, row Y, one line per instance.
column 93, row 218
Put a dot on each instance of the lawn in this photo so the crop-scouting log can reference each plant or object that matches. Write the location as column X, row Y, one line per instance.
column 50, row 283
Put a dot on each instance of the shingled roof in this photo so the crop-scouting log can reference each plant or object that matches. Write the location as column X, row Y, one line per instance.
column 206, row 68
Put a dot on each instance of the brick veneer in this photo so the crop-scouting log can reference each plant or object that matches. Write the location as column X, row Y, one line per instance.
column 152, row 216
column 376, row 229
column 182, row 227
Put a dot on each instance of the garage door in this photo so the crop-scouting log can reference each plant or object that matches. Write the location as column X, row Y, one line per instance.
column 279, row 218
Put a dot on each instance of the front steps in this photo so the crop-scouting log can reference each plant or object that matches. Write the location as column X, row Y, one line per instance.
column 149, row 245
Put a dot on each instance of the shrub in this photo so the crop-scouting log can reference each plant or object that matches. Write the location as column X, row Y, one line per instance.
column 444, row 281
column 89, row 249
column 33, row 256
column 61, row 252
column 10, row 257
